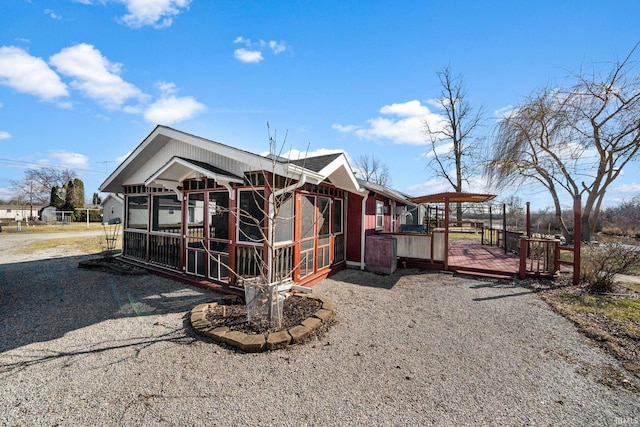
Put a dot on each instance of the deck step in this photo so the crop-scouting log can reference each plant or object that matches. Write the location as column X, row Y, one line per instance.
column 484, row 274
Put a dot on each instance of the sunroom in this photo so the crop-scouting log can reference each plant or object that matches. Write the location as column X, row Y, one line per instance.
column 231, row 216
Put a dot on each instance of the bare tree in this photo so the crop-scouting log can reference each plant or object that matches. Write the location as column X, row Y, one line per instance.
column 371, row 169
column 515, row 211
column 453, row 154
column 37, row 183
column 574, row 140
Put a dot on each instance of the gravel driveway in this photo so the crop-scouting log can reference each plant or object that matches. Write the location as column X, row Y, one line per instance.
column 81, row 347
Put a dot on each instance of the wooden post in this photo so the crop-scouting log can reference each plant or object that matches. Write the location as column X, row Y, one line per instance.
column 446, row 234
column 504, row 227
column 528, row 219
column 577, row 235
column 523, row 259
column 233, row 211
column 490, row 227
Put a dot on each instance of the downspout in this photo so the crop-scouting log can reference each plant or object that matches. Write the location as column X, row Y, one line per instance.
column 363, row 228
column 300, row 183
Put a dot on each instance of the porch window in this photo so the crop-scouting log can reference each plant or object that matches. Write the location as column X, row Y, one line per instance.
column 219, row 215
column 251, row 216
column 167, row 214
column 337, row 216
column 137, row 212
column 285, row 219
column 379, row 215
column 195, row 215
column 324, row 239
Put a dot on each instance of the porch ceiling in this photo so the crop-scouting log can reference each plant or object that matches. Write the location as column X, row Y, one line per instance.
column 178, row 169
column 453, row 197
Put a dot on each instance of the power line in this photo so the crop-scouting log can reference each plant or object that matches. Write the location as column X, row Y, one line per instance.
column 19, row 162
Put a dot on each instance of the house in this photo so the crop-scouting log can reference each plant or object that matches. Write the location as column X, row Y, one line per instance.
column 112, row 208
column 14, row 212
column 216, row 215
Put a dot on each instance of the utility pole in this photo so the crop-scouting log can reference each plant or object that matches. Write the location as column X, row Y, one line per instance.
column 31, row 200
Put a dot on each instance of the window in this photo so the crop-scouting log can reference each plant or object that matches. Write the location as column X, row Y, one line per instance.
column 167, row 213
column 324, row 217
column 219, row 215
column 379, row 215
column 137, row 212
column 285, row 220
column 251, row 216
column 337, row 216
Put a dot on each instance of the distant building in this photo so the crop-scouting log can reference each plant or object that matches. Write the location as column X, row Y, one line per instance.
column 112, row 208
column 18, row 212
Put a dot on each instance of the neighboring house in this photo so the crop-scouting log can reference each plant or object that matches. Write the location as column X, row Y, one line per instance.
column 112, row 208
column 199, row 210
column 19, row 212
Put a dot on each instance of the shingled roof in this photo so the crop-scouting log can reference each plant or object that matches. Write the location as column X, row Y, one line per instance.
column 316, row 163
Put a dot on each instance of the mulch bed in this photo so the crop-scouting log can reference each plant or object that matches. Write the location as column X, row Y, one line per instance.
column 234, row 316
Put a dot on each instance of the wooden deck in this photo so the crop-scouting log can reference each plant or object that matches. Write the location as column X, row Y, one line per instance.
column 470, row 258
column 485, row 260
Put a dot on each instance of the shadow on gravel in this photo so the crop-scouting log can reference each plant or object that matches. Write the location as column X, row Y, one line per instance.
column 43, row 300
column 372, row 280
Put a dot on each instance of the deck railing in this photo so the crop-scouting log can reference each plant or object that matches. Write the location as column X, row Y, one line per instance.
column 539, row 257
column 509, row 240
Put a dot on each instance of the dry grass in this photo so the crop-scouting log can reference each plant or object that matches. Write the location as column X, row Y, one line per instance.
column 613, row 321
column 87, row 245
column 51, row 228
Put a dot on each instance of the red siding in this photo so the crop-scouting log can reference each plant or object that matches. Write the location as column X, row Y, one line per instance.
column 354, row 225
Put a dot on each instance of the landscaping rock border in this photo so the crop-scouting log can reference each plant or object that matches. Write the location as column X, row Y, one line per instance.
column 254, row 343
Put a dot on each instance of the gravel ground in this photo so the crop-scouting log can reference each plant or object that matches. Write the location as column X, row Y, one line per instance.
column 82, row 347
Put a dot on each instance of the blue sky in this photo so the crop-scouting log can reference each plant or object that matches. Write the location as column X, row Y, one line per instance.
column 83, row 82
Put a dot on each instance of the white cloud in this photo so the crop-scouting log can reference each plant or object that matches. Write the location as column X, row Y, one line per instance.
column 52, row 14
column 167, row 88
column 633, row 187
column 441, row 148
column 407, row 127
column 248, row 56
column 70, row 159
column 505, row 112
column 253, row 51
column 123, row 157
column 431, row 186
column 477, row 184
column 28, row 74
column 4, row 135
column 171, row 109
column 277, row 47
column 95, row 76
column 156, row 13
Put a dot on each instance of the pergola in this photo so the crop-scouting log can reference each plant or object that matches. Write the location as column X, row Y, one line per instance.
column 447, row 198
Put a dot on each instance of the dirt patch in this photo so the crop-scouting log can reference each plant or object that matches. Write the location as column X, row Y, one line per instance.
column 112, row 265
column 234, row 316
